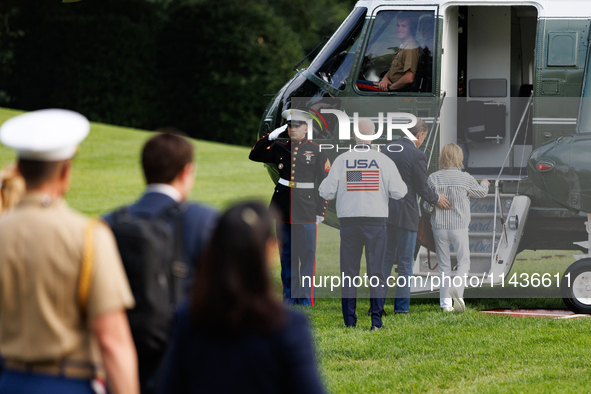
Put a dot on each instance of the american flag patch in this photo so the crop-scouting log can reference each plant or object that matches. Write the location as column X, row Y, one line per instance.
column 363, row 180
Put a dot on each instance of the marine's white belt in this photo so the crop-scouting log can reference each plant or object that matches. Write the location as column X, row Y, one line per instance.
column 296, row 185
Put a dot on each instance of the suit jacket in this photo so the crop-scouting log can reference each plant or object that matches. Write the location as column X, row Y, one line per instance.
column 281, row 362
column 412, row 165
column 198, row 222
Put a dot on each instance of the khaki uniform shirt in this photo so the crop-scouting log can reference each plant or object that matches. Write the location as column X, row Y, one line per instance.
column 41, row 246
column 405, row 59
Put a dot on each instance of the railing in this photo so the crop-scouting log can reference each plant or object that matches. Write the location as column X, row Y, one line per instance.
column 434, row 130
column 497, row 199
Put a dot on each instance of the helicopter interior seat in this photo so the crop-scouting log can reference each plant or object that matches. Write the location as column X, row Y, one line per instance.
column 485, row 121
column 424, row 75
column 473, row 125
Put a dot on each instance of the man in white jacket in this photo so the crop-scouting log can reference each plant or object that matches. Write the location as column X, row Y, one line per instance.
column 363, row 180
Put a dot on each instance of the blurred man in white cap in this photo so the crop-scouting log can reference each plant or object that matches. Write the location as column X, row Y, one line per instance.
column 301, row 166
column 63, row 290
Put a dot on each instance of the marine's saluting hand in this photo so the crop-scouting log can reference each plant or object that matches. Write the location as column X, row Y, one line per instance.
column 275, row 133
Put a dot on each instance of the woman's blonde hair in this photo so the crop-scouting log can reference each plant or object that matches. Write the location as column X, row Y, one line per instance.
column 12, row 188
column 451, row 157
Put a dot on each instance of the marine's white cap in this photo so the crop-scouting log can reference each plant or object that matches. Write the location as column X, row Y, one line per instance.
column 45, row 135
column 296, row 116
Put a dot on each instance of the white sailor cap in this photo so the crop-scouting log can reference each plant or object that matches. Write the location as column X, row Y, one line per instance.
column 45, row 135
column 295, row 116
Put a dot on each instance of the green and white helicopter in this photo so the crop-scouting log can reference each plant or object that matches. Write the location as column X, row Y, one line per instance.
column 505, row 80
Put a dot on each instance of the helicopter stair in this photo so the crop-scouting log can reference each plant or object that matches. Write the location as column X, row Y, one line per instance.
column 483, row 264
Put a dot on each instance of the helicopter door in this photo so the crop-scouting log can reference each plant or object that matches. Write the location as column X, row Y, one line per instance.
column 488, row 70
column 488, row 58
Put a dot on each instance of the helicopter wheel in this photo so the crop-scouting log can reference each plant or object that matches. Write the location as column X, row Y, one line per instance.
column 575, row 287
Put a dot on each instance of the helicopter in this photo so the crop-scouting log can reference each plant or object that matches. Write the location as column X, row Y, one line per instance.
column 508, row 81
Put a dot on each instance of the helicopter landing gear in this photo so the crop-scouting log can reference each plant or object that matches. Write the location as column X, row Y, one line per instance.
column 575, row 286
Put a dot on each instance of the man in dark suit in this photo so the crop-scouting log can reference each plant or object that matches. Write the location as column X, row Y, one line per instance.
column 403, row 216
column 167, row 162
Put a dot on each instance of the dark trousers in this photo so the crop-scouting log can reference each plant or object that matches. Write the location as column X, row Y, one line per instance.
column 15, row 382
column 353, row 240
column 400, row 251
column 149, row 361
column 298, row 258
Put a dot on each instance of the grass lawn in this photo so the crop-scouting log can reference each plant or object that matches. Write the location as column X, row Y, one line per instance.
column 425, row 351
column 107, row 171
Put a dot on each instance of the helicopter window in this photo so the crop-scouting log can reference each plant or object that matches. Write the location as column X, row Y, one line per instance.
column 334, row 63
column 399, row 54
column 562, row 49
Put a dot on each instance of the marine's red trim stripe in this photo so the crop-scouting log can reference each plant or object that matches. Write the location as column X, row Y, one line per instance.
column 266, row 135
column 314, row 265
column 302, row 143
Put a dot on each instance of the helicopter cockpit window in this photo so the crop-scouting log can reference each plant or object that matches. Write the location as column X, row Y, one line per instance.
column 399, row 54
column 334, row 63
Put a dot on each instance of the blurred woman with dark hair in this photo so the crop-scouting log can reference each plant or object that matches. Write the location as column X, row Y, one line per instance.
column 235, row 335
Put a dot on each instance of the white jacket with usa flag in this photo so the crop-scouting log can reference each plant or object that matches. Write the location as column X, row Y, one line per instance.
column 362, row 182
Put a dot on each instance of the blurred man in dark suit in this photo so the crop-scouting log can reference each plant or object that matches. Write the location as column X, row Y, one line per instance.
column 167, row 162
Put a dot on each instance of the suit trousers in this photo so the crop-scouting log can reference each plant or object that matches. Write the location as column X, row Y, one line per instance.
column 400, row 251
column 15, row 382
column 298, row 258
column 460, row 241
column 353, row 240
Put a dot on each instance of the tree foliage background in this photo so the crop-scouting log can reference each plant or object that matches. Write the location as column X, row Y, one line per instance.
column 201, row 66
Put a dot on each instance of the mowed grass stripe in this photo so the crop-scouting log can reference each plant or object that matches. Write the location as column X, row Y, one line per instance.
column 426, row 351
column 107, row 171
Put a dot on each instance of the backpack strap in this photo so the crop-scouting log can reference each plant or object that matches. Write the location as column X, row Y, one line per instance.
column 121, row 215
column 87, row 265
column 179, row 268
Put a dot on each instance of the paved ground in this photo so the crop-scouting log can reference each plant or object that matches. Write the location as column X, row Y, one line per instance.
column 550, row 313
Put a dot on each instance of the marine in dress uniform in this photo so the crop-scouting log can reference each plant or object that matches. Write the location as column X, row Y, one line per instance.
column 302, row 166
column 63, row 289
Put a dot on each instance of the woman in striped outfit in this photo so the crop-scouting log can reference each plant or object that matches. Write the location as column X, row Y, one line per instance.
column 451, row 226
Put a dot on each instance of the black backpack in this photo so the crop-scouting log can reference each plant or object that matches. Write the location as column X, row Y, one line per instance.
column 152, row 254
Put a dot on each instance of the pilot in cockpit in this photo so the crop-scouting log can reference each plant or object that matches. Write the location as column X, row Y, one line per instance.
column 404, row 64
column 401, row 74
